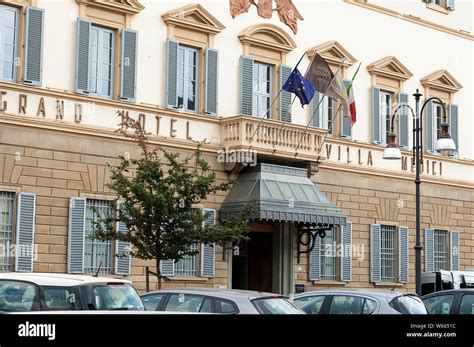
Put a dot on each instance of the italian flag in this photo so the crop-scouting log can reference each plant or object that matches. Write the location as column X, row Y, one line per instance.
column 350, row 98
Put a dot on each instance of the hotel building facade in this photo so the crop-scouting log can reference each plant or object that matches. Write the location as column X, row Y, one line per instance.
column 69, row 70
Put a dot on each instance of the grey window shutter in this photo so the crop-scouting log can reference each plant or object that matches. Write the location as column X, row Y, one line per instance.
column 315, row 260
column 212, row 81
column 82, row 56
column 453, row 124
column 346, row 120
column 172, row 48
column 375, row 273
column 129, row 65
column 208, row 251
column 76, row 235
column 403, row 121
column 450, row 5
column 454, row 250
column 246, row 85
column 285, row 97
column 429, row 126
column 428, row 1
column 346, row 260
column 313, row 113
column 25, row 231
column 34, row 46
column 167, row 267
column 429, row 250
column 123, row 259
column 376, row 126
column 403, row 254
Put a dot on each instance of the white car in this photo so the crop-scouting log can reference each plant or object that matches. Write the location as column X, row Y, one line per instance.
column 26, row 292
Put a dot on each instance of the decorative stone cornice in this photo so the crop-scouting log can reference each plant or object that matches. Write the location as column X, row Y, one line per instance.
column 268, row 36
column 390, row 67
column 333, row 52
column 442, row 80
column 123, row 6
column 194, row 17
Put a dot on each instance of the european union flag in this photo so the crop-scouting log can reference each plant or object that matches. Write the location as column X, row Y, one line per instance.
column 300, row 86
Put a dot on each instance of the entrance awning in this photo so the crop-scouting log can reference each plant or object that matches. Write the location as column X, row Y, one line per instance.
column 281, row 193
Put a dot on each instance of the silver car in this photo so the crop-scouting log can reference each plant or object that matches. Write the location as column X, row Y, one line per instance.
column 219, row 301
column 359, row 302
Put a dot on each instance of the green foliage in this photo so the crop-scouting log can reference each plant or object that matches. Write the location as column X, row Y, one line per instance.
column 155, row 199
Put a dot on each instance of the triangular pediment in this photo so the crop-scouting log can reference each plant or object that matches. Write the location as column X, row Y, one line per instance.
column 390, row 67
column 194, row 16
column 443, row 80
column 125, row 6
column 333, row 52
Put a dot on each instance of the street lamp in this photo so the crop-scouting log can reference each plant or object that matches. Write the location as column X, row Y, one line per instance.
column 444, row 144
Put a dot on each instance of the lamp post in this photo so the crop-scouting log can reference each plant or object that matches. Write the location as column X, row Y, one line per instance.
column 392, row 152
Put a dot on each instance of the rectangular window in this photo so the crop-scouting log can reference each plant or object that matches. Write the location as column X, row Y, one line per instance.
column 328, row 256
column 8, row 42
column 262, row 90
column 438, row 119
column 187, row 266
column 387, row 253
column 187, row 78
column 440, row 250
column 101, row 61
column 6, row 228
column 385, row 114
column 97, row 253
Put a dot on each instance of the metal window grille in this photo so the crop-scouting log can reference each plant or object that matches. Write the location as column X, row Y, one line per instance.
column 387, row 253
column 187, row 266
column 6, row 229
column 97, row 253
column 440, row 250
column 328, row 256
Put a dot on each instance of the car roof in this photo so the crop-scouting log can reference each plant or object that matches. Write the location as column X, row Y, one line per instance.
column 55, row 279
column 221, row 293
column 380, row 294
column 451, row 291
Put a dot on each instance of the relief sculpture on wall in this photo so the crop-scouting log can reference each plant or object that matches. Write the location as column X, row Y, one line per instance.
column 287, row 11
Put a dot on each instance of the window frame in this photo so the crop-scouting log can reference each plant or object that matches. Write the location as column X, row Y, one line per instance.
column 436, row 257
column 13, row 200
column 394, row 261
column 335, row 259
column 186, row 67
column 100, row 48
column 17, row 44
column 183, row 262
column 385, row 117
column 256, row 83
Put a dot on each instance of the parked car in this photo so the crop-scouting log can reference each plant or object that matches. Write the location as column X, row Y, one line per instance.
column 24, row 292
column 456, row 301
column 437, row 281
column 359, row 302
column 224, row 301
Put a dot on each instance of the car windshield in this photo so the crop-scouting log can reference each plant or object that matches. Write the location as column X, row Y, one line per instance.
column 116, row 297
column 276, row 305
column 17, row 296
column 408, row 304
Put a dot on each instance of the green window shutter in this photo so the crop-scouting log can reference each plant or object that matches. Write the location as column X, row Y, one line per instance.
column 212, row 81
column 76, row 235
column 315, row 260
column 403, row 121
column 285, row 97
column 375, row 273
column 123, row 259
column 172, row 48
column 25, row 231
column 129, row 65
column 208, row 251
column 167, row 267
column 316, row 121
column 246, row 85
column 34, row 46
column 429, row 250
column 346, row 120
column 429, row 126
column 403, row 254
column 450, row 5
column 453, row 125
column 346, row 260
column 454, row 250
column 376, row 126
column 82, row 56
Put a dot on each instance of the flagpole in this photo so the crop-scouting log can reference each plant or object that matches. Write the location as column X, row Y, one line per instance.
column 271, row 106
column 317, row 107
column 291, row 105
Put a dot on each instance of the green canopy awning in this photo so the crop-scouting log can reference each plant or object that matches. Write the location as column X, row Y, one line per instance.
column 281, row 193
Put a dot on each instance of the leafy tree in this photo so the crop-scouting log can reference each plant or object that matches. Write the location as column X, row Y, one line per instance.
column 155, row 198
